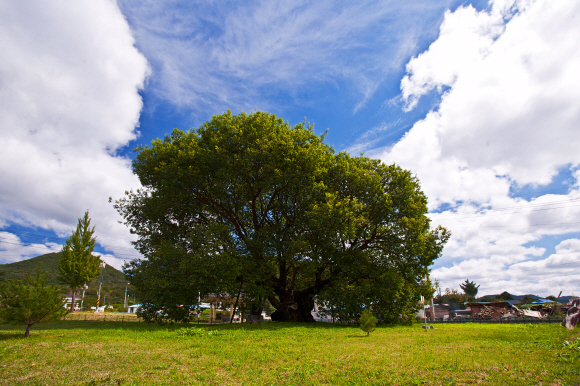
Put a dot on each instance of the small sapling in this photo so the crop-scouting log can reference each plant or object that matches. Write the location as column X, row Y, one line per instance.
column 367, row 322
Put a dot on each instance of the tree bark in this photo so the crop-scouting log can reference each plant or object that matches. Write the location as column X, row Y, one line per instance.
column 72, row 306
column 27, row 330
column 293, row 306
column 236, row 305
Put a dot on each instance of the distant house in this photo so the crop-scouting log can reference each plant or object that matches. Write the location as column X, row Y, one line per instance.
column 441, row 311
column 78, row 299
column 133, row 309
column 543, row 301
column 320, row 316
column 491, row 309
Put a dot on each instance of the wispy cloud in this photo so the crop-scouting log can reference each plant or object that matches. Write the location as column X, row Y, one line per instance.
column 211, row 56
column 370, row 139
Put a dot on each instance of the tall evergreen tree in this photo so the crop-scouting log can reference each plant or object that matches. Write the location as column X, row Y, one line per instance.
column 31, row 301
column 77, row 265
column 469, row 288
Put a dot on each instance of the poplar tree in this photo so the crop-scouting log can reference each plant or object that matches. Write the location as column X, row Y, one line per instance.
column 77, row 265
column 30, row 301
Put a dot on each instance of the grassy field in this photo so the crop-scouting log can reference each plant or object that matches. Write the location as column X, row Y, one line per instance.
column 81, row 352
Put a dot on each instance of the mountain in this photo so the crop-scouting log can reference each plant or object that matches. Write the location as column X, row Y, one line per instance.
column 113, row 287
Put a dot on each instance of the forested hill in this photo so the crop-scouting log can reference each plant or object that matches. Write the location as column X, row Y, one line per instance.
column 114, row 281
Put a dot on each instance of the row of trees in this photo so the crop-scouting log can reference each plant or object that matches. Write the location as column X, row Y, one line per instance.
column 456, row 298
column 470, row 291
column 248, row 205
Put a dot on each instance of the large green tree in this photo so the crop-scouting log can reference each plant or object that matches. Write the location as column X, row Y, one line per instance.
column 77, row 265
column 30, row 301
column 248, row 204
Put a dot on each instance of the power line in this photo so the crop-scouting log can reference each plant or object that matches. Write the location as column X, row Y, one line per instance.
column 516, row 226
column 58, row 240
column 46, row 248
column 545, row 191
column 548, row 266
column 503, row 214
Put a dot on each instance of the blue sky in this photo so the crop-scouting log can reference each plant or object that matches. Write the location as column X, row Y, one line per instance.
column 481, row 100
column 344, row 78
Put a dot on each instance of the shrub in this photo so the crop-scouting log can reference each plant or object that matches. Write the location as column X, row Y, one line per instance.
column 367, row 322
column 31, row 301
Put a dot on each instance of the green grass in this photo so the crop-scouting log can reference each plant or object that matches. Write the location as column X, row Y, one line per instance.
column 117, row 353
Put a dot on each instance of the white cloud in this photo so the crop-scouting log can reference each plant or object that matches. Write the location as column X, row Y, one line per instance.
column 69, row 82
column 12, row 249
column 509, row 116
column 212, row 57
column 558, row 272
column 466, row 37
column 513, row 109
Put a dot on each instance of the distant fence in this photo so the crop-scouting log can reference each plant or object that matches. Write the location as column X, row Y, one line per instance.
column 110, row 317
column 102, row 317
column 552, row 319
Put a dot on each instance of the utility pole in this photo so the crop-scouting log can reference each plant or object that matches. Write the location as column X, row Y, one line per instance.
column 432, row 304
column 103, row 265
column 85, row 287
column 555, row 304
column 126, row 303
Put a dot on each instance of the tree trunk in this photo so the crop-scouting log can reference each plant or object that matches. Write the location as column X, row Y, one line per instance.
column 293, row 306
column 27, row 330
column 72, row 306
column 236, row 305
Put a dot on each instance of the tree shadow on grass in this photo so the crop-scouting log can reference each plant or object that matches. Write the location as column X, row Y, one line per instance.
column 152, row 327
column 4, row 337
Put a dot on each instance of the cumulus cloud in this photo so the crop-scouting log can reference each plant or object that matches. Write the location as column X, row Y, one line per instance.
column 12, row 249
column 508, row 117
column 69, row 83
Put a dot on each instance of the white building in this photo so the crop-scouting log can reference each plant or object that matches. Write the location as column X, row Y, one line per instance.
column 78, row 299
column 133, row 309
column 316, row 314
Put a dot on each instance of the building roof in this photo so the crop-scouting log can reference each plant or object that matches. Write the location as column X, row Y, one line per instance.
column 491, row 304
column 542, row 301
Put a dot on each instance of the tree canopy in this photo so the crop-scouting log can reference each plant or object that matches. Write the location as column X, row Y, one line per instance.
column 469, row 288
column 30, row 301
column 76, row 264
column 505, row 296
column 367, row 322
column 247, row 203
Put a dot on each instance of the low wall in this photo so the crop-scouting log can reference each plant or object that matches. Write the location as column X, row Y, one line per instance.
column 501, row 320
